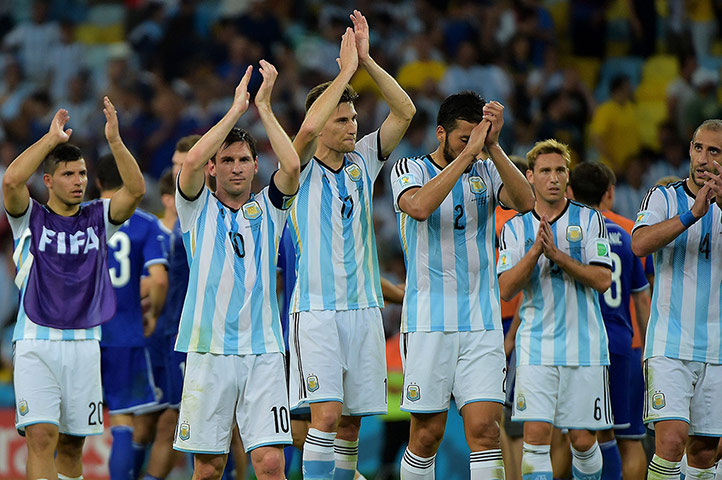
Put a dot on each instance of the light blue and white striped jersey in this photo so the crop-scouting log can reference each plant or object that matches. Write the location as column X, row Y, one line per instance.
column 230, row 306
column 26, row 329
column 561, row 321
column 332, row 230
column 451, row 283
column 685, row 319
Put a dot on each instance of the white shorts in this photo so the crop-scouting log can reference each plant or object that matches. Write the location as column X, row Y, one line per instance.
column 218, row 389
column 574, row 398
column 684, row 390
column 469, row 365
column 338, row 357
column 58, row 382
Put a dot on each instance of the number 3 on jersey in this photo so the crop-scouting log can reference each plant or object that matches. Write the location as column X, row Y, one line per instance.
column 120, row 245
column 613, row 295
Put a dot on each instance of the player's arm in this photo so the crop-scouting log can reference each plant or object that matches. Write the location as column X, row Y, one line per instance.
column 157, row 283
column 321, row 110
column 400, row 104
column 516, row 192
column 392, row 293
column 125, row 200
column 419, row 203
column 286, row 179
column 640, row 300
column 513, row 280
column 191, row 178
column 648, row 239
column 16, row 195
column 597, row 277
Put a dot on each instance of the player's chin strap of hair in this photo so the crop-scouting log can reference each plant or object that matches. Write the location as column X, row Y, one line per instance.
column 24, row 268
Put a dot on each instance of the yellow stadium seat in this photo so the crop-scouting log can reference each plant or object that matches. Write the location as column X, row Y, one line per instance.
column 586, row 67
column 660, row 67
column 651, row 90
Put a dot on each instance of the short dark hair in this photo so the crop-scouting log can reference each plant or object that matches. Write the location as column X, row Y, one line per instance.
column 466, row 105
column 589, row 182
column 186, row 143
column 239, row 135
column 65, row 152
column 166, row 184
column 618, row 81
column 107, row 173
column 348, row 95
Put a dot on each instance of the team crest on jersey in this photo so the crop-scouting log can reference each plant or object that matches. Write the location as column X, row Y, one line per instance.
column 312, row 383
column 184, row 431
column 602, row 249
column 413, row 392
column 574, row 233
column 354, row 172
column 477, row 185
column 658, row 401
column 252, row 210
column 23, row 408
column 520, row 402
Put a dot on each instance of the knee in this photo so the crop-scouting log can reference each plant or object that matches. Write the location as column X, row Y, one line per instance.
column 670, row 445
column 268, row 462
column 582, row 440
column 427, row 438
column 208, row 467
column 702, row 451
column 348, row 428
column 41, row 438
column 71, row 446
column 484, row 434
column 538, row 433
column 326, row 419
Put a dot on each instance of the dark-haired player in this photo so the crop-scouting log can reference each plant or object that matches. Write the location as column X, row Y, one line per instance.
column 128, row 384
column 66, row 293
column 452, row 338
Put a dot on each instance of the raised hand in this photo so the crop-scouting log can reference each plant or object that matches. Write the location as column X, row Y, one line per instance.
column 112, row 131
column 241, row 98
column 494, row 113
column 269, row 74
column 477, row 138
column 348, row 56
column 361, row 30
column 701, row 202
column 57, row 126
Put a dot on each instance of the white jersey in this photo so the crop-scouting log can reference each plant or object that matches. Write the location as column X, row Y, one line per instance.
column 685, row 318
column 561, row 322
column 451, row 284
column 26, row 329
column 230, row 307
column 333, row 233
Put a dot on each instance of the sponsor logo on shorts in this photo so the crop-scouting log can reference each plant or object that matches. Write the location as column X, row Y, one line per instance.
column 574, row 233
column 312, row 383
column 520, row 402
column 413, row 392
column 23, row 408
column 658, row 401
column 602, row 250
column 185, row 431
column 477, row 185
column 252, row 210
column 354, row 172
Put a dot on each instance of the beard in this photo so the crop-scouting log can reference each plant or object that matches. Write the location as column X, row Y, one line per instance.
column 449, row 156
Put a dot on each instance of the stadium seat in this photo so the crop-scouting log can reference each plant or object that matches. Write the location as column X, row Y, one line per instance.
column 650, row 114
column 660, row 67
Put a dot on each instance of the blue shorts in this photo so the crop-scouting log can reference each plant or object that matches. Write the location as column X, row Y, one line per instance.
column 167, row 365
column 626, row 385
column 127, row 379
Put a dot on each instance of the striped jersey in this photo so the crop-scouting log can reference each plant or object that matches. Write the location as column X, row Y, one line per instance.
column 561, row 321
column 332, row 231
column 685, row 317
column 451, row 284
column 25, row 328
column 230, row 307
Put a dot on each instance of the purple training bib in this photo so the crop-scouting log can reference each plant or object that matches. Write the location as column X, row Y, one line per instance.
column 69, row 285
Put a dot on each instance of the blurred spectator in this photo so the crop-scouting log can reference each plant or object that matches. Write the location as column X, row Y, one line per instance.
column 33, row 40
column 643, row 23
column 260, row 24
column 614, row 130
column 703, row 103
column 426, row 64
column 65, row 61
column 630, row 190
column 588, row 27
column 680, row 92
column 13, row 90
column 534, row 21
column 147, row 35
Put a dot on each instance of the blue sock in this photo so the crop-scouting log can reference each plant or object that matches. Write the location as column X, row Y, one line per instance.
column 288, row 453
column 229, row 471
column 346, row 454
column 611, row 460
column 138, row 458
column 319, row 461
column 120, row 464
